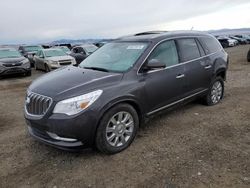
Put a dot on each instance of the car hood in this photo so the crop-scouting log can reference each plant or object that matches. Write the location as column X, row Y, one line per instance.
column 72, row 81
column 12, row 60
column 59, row 58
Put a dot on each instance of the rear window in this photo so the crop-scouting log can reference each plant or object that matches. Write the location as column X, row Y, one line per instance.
column 210, row 44
column 188, row 49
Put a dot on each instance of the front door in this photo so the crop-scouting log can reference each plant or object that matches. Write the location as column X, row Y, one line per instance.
column 164, row 86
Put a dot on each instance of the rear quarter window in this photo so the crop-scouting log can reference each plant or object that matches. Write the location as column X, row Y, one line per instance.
column 210, row 44
column 188, row 49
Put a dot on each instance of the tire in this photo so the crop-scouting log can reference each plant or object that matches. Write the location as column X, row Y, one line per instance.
column 248, row 56
column 46, row 68
column 113, row 137
column 215, row 93
column 28, row 73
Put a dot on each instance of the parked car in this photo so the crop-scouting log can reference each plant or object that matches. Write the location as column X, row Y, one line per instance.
column 105, row 99
column 240, row 40
column 248, row 56
column 225, row 42
column 29, row 52
column 63, row 48
column 100, row 44
column 48, row 59
column 83, row 51
column 247, row 38
column 12, row 62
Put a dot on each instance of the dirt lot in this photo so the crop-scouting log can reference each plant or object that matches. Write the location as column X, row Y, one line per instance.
column 193, row 146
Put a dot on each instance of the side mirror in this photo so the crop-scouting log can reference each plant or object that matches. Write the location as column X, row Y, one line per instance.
column 154, row 64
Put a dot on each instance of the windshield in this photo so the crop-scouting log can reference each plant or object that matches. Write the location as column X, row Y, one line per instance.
column 54, row 53
column 115, row 57
column 90, row 48
column 9, row 54
column 64, row 48
column 32, row 48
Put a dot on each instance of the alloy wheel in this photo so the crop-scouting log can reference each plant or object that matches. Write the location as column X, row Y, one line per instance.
column 119, row 129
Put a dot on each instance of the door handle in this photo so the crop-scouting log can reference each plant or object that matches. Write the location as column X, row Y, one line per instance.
column 180, row 76
column 208, row 67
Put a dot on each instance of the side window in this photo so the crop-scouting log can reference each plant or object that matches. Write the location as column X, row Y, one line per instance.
column 38, row 53
column 202, row 52
column 75, row 50
column 41, row 54
column 188, row 49
column 210, row 44
column 165, row 53
column 81, row 50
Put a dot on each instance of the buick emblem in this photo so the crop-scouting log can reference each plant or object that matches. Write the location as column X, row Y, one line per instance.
column 13, row 64
column 27, row 101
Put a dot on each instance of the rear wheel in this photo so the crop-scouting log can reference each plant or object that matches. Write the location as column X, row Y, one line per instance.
column 117, row 129
column 216, row 92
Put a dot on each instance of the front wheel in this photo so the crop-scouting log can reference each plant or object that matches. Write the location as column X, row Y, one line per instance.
column 117, row 129
column 215, row 92
column 47, row 69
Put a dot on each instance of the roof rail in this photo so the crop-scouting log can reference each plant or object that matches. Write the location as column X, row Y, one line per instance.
column 150, row 33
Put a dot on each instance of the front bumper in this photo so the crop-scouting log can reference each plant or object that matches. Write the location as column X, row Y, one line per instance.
column 14, row 70
column 62, row 131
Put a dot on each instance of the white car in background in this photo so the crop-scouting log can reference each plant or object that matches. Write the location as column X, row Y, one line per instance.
column 49, row 59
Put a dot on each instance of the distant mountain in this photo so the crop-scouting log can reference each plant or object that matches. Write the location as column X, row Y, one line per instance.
column 77, row 41
column 230, row 31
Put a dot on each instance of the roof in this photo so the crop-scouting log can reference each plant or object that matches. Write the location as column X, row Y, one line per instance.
column 160, row 35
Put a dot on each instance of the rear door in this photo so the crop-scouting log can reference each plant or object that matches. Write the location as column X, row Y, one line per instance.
column 197, row 65
column 164, row 86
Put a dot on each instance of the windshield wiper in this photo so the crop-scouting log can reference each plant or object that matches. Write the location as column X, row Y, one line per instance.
column 97, row 68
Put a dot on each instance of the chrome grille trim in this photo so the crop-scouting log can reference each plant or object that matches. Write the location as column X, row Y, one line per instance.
column 37, row 105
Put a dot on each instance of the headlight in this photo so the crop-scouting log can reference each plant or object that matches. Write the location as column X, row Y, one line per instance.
column 1, row 66
column 26, row 63
column 73, row 61
column 75, row 105
column 53, row 63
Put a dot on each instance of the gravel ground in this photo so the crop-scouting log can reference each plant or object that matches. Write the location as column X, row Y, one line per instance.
column 192, row 146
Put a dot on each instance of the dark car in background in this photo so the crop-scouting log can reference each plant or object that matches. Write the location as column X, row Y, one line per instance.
column 82, row 51
column 240, row 40
column 29, row 51
column 246, row 37
column 12, row 62
column 105, row 99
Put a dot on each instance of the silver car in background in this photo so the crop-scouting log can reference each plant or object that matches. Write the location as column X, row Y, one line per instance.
column 49, row 59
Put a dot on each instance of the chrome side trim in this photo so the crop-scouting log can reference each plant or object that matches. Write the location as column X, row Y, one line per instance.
column 56, row 137
column 173, row 38
column 176, row 102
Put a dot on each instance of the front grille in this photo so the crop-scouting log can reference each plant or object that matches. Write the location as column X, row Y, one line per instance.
column 37, row 104
column 12, row 64
column 65, row 62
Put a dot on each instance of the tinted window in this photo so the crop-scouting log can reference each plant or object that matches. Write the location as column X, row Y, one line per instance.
column 202, row 52
column 210, row 44
column 188, row 49
column 165, row 53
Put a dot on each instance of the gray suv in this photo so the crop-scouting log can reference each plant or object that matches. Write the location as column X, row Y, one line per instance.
column 12, row 62
column 106, row 99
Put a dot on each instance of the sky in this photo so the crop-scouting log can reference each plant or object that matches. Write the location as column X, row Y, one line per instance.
column 33, row 21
